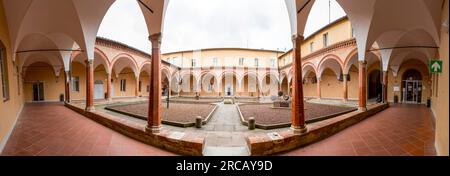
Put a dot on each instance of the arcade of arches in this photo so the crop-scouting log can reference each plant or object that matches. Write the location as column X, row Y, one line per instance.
column 100, row 69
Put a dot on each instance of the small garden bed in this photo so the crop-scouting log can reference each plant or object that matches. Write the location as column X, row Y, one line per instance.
column 178, row 114
column 267, row 117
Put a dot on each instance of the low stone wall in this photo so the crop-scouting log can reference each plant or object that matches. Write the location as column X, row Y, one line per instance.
column 177, row 142
column 276, row 142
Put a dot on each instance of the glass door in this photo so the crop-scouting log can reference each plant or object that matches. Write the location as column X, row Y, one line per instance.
column 38, row 91
column 412, row 91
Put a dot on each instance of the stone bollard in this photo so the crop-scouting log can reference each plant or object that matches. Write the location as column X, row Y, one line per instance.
column 251, row 123
column 198, row 122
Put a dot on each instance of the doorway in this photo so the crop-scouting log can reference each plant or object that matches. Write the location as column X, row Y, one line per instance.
column 229, row 90
column 375, row 86
column 98, row 89
column 38, row 91
column 412, row 91
column 412, row 87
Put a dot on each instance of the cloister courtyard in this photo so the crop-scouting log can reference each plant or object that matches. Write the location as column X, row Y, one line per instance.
column 160, row 78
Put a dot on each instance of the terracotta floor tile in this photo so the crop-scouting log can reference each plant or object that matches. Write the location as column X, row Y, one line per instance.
column 50, row 129
column 401, row 130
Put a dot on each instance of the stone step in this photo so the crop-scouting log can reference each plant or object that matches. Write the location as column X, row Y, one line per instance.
column 225, row 151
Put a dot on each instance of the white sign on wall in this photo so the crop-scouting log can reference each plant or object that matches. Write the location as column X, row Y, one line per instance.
column 396, row 88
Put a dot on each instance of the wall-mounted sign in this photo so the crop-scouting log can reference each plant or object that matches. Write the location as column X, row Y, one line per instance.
column 435, row 66
column 396, row 88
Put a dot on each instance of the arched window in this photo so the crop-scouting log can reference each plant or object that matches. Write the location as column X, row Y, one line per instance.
column 4, row 73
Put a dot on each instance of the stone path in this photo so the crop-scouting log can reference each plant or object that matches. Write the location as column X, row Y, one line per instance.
column 225, row 133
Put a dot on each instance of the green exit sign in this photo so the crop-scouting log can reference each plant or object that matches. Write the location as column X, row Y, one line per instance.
column 435, row 66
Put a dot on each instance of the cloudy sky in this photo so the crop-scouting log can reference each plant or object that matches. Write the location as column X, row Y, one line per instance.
column 196, row 24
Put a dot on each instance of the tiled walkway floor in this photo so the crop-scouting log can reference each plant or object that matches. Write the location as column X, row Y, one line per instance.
column 51, row 129
column 399, row 130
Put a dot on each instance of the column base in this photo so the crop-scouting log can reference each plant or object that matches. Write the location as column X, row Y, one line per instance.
column 152, row 129
column 90, row 109
column 299, row 129
column 362, row 109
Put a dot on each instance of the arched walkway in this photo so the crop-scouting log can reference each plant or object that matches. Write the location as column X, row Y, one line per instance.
column 73, row 135
column 401, row 130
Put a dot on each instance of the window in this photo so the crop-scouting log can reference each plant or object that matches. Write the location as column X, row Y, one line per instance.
column 311, row 47
column 18, row 79
column 4, row 74
column 140, row 86
column 256, row 62
column 353, row 33
column 241, row 61
column 272, row 62
column 123, row 84
column 76, row 83
column 325, row 40
column 215, row 61
column 194, row 62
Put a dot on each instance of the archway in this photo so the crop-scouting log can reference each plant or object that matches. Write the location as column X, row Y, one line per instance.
column 330, row 85
column 250, row 86
column 229, row 85
column 188, row 85
column 310, row 85
column 209, row 85
column 41, row 83
column 411, row 90
column 165, row 85
column 374, row 85
column 269, row 85
column 284, row 86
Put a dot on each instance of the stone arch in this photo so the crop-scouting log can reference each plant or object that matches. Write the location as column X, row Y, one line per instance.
column 128, row 61
column 332, row 62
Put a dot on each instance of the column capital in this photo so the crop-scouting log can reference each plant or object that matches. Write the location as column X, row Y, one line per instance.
column 155, row 39
column 297, row 37
column 362, row 62
column 297, row 40
column 89, row 62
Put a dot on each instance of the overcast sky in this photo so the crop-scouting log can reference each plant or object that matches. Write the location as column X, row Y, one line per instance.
column 196, row 24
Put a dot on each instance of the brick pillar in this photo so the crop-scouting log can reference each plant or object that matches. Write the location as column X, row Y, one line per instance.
column 67, row 86
column 362, row 86
column 108, row 87
column 345, row 89
column 154, row 105
column 298, row 114
column 90, row 85
column 319, row 91
column 136, row 90
column 385, row 86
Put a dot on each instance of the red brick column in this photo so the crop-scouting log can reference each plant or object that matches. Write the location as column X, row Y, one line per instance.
column 345, row 89
column 67, row 85
column 319, row 91
column 385, row 86
column 136, row 90
column 154, row 105
column 90, row 85
column 298, row 114
column 108, row 87
column 362, row 86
